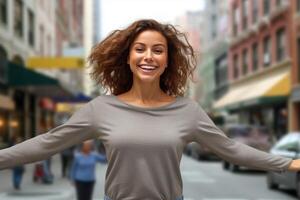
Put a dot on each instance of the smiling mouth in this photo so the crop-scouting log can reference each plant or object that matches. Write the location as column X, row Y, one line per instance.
column 147, row 68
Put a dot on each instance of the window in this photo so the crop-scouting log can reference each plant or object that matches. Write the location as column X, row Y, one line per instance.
column 3, row 67
column 245, row 62
column 3, row 12
column 221, row 73
column 245, row 6
column 254, row 57
column 290, row 142
column 235, row 21
column 280, row 43
column 278, row 2
column 18, row 20
column 254, row 11
column 31, row 28
column 42, row 53
column 235, row 66
column 214, row 26
column 267, row 54
column 282, row 2
column 49, row 41
column 298, row 58
column 266, row 7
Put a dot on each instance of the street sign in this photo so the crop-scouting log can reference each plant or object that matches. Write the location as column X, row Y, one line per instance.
column 55, row 62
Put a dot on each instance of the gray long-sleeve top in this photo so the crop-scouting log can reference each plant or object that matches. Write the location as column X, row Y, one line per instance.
column 143, row 145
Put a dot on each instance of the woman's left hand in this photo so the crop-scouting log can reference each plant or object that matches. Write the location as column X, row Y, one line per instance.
column 295, row 165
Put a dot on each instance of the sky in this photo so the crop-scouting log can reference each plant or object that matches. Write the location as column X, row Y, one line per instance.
column 116, row 14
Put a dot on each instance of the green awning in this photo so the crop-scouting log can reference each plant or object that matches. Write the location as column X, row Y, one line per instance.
column 22, row 78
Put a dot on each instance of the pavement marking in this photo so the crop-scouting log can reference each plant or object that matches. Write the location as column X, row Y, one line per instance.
column 222, row 199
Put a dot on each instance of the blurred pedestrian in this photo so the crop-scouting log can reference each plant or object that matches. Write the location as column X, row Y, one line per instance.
column 42, row 170
column 83, row 170
column 66, row 160
column 146, row 121
column 17, row 171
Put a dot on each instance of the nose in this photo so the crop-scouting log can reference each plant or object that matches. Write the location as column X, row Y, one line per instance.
column 148, row 56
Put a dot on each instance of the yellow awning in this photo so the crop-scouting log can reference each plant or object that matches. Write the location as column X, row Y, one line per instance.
column 6, row 103
column 277, row 85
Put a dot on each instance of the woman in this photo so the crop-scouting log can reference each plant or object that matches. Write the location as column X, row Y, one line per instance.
column 83, row 170
column 146, row 122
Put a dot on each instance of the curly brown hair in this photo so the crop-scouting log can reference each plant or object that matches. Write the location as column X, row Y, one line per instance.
column 108, row 59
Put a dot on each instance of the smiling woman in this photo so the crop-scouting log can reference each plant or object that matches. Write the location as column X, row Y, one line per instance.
column 146, row 123
column 143, row 46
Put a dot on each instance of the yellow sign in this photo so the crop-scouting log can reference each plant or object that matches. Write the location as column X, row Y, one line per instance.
column 68, row 107
column 55, row 62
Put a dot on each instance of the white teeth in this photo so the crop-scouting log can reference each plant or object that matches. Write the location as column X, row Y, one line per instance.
column 147, row 67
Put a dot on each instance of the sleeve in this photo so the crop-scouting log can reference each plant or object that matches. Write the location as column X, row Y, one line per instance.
column 78, row 128
column 101, row 158
column 208, row 134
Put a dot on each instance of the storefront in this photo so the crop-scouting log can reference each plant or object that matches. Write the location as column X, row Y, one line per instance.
column 32, row 93
column 47, row 111
column 7, row 106
column 260, row 101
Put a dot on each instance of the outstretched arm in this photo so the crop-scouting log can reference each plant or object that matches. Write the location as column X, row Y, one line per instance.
column 208, row 134
column 78, row 128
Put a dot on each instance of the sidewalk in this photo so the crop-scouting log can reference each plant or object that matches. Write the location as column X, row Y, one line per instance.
column 61, row 189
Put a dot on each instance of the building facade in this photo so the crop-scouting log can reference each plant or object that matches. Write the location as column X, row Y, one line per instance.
column 294, row 104
column 259, row 63
column 214, row 48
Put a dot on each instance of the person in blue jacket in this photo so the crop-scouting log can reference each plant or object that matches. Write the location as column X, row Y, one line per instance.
column 83, row 170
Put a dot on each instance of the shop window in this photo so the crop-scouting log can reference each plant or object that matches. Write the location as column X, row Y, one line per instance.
column 3, row 65
column 4, row 126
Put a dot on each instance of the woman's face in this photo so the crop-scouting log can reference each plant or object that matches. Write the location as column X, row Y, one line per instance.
column 148, row 56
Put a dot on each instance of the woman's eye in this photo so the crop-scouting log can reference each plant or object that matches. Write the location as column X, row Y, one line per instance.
column 158, row 51
column 139, row 49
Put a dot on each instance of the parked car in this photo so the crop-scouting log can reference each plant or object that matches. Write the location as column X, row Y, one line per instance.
column 199, row 152
column 287, row 146
column 258, row 137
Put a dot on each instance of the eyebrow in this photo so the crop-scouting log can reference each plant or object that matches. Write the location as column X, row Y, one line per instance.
column 159, row 44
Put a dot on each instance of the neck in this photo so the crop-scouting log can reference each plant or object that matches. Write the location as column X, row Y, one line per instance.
column 146, row 92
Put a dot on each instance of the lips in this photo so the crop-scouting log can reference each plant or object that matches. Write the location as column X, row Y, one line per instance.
column 147, row 68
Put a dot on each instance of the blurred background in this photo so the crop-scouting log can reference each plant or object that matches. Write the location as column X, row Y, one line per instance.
column 247, row 80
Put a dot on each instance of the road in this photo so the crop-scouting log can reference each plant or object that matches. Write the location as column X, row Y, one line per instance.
column 201, row 181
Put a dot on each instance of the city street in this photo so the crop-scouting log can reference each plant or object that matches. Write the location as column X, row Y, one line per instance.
column 201, row 180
